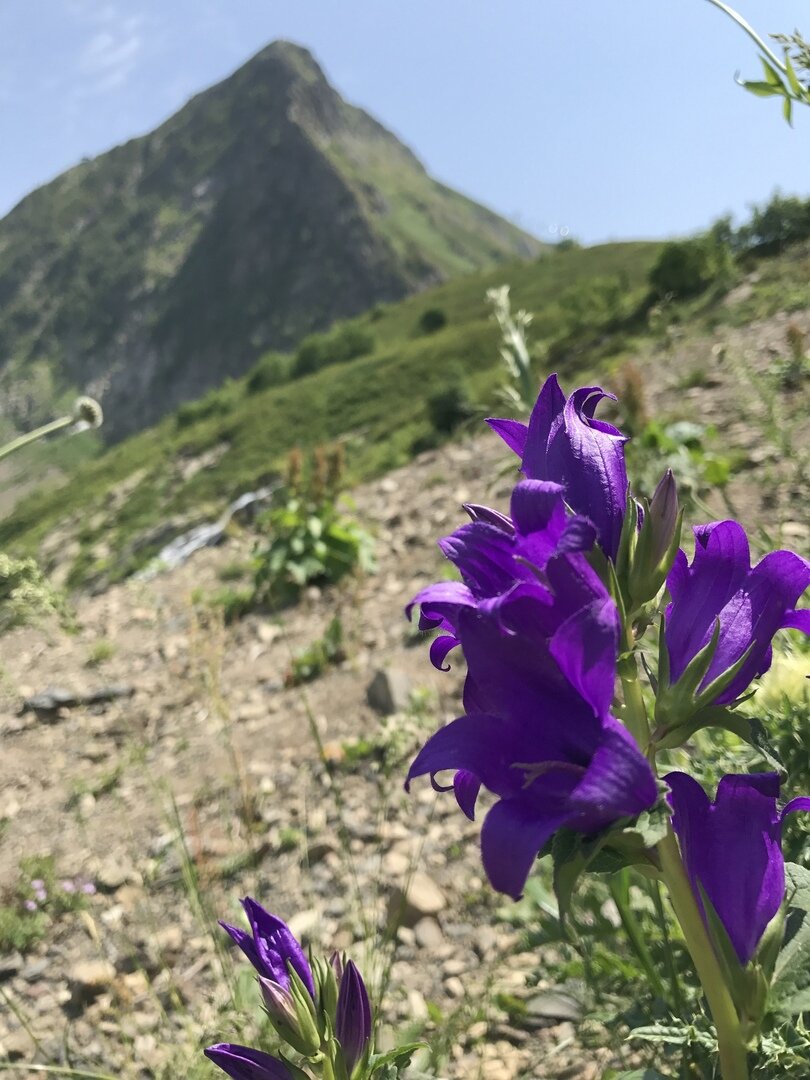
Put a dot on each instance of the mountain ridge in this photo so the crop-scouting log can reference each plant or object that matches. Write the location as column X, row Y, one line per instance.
column 265, row 208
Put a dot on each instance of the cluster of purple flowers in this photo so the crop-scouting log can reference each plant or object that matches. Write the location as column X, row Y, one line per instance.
column 320, row 1010
column 543, row 613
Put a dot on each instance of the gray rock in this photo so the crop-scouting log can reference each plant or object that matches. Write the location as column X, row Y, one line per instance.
column 417, row 899
column 553, row 1005
column 89, row 978
column 428, row 933
column 389, row 691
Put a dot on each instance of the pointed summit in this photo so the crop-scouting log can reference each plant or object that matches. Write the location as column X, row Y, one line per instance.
column 266, row 208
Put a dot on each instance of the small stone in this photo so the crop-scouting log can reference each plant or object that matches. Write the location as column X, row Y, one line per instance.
column 419, row 897
column 428, row 934
column 89, row 978
column 389, row 691
column 455, row 987
column 303, row 923
column 553, row 1006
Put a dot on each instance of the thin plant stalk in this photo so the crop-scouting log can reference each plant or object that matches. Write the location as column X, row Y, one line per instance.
column 730, row 1041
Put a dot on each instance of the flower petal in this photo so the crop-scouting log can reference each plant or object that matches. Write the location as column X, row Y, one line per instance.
column 245, row 1063
column 467, row 787
column 585, row 646
column 512, row 836
column 512, row 432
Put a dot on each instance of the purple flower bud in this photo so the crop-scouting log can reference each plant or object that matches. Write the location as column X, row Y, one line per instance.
column 353, row 1020
column 663, row 516
column 244, row 1063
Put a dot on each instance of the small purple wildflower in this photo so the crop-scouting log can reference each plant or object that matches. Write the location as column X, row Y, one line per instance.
column 30, row 905
column 271, row 947
column 564, row 442
column 732, row 848
column 750, row 604
column 67, row 885
column 88, row 888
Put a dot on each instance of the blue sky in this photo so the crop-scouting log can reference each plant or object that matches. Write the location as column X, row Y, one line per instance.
column 610, row 118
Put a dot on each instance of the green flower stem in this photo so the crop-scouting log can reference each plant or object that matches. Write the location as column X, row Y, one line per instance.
column 730, row 1040
column 635, row 711
column 746, row 26
column 618, row 890
column 38, row 433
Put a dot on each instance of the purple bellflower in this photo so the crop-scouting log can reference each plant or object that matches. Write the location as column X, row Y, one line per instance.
column 540, row 637
column 285, row 977
column 565, row 442
column 353, row 1016
column 271, row 948
column 751, row 605
column 732, row 847
column 244, row 1063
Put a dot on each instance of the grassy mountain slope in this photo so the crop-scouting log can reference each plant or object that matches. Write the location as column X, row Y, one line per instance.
column 264, row 209
column 116, row 511
column 119, row 508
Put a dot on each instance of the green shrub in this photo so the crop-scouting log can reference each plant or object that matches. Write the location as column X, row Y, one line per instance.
column 783, row 221
column 273, row 369
column 318, row 351
column 449, row 407
column 218, row 402
column 431, row 320
column 25, row 593
column 311, row 542
column 688, row 267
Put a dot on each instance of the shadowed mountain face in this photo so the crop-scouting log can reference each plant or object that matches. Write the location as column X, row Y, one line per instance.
column 265, row 209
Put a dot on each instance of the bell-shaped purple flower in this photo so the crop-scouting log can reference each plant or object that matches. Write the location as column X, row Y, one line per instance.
column 536, row 549
column 537, row 732
column 750, row 605
column 565, row 443
column 732, row 848
column 271, row 947
column 244, row 1063
column 353, row 1018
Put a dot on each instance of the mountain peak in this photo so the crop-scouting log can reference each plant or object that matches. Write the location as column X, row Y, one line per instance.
column 266, row 208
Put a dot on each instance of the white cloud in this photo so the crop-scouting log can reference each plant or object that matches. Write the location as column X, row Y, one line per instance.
column 112, row 50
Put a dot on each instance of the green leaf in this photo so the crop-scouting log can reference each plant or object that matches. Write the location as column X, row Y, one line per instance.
column 764, row 89
column 772, row 76
column 791, row 983
column 797, row 886
column 394, row 1060
column 787, row 110
column 793, row 78
column 569, row 863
